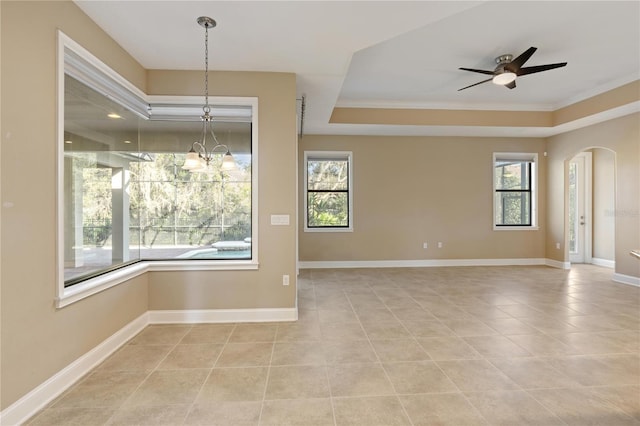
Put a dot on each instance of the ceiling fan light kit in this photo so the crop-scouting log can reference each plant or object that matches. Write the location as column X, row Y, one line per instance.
column 508, row 69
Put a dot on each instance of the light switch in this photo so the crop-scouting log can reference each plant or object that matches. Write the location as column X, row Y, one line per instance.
column 279, row 219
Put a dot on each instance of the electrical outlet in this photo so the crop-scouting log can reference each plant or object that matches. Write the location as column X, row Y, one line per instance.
column 425, row 245
column 285, row 280
column 558, row 246
column 440, row 244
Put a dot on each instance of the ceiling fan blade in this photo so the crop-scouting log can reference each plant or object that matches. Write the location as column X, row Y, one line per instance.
column 517, row 63
column 511, row 85
column 475, row 84
column 478, row 71
column 539, row 68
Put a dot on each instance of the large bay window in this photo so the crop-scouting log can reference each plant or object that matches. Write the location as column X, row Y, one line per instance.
column 124, row 198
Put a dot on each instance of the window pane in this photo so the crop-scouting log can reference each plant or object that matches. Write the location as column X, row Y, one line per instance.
column 127, row 198
column 513, row 208
column 193, row 215
column 511, row 175
column 98, row 150
column 329, row 175
column 573, row 223
column 328, row 209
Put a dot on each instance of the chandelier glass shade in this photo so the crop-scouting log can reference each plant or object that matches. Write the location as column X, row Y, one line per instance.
column 200, row 157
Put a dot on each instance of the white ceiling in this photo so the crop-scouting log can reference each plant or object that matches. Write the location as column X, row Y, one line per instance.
column 392, row 53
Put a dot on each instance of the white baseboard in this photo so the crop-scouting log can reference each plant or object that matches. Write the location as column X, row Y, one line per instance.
column 558, row 264
column 27, row 406
column 222, row 315
column 21, row 410
column 603, row 262
column 419, row 263
column 626, row 279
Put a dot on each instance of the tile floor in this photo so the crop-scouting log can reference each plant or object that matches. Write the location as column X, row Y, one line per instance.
column 432, row 346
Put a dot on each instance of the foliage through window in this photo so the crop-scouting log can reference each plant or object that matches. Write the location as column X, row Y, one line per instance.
column 328, row 190
column 514, row 189
column 126, row 197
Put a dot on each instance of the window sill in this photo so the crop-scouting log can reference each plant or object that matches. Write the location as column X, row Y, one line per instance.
column 96, row 285
column 515, row 228
column 349, row 229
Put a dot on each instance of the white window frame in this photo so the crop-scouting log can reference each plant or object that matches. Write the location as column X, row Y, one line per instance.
column 94, row 70
column 523, row 156
column 338, row 155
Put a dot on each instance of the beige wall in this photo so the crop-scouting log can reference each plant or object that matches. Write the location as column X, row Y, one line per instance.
column 37, row 339
column 410, row 190
column 621, row 135
column 277, row 180
column 604, row 204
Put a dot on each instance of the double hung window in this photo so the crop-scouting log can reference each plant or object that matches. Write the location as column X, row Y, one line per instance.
column 328, row 191
column 514, row 188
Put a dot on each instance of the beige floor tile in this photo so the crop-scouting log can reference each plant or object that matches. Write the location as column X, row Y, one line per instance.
column 532, row 373
column 347, row 352
column 299, row 412
column 168, row 387
column 371, row 315
column 465, row 328
column 448, row 348
column 78, row 416
column 358, row 380
column 225, row 413
column 412, row 314
column 161, row 335
column 542, row 345
column 245, row 355
column 248, row 333
column 589, row 343
column 421, row 329
column 164, row 415
column 385, row 330
column 234, row 384
column 102, row 389
column 602, row 370
column 136, row 358
column 297, row 353
column 518, row 310
column 208, row 333
column 369, row 411
column 299, row 331
column 627, row 398
column 581, row 329
column 399, row 350
column 496, row 347
column 297, row 382
column 510, row 326
column 191, row 356
column 446, row 409
column 418, row 377
column 582, row 407
column 509, row 408
column 347, row 331
column 326, row 316
column 476, row 375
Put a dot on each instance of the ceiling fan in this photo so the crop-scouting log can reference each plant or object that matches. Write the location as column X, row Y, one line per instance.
column 507, row 70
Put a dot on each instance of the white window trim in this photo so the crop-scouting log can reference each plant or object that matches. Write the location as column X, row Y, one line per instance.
column 528, row 156
column 339, row 155
column 77, row 292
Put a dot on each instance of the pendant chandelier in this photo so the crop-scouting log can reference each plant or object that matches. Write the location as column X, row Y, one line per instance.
column 199, row 158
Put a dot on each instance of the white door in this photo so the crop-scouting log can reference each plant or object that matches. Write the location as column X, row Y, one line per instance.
column 580, row 208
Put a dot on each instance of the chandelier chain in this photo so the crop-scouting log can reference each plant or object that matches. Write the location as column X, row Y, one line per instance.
column 206, row 69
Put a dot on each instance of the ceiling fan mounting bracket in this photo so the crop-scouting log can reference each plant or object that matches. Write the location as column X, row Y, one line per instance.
column 504, row 59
